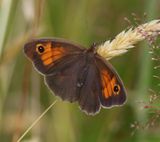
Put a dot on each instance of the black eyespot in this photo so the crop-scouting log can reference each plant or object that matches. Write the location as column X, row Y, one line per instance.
column 116, row 88
column 40, row 49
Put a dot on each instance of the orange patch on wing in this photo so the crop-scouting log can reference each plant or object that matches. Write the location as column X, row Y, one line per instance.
column 52, row 54
column 48, row 48
column 48, row 61
column 57, row 53
column 46, row 56
column 108, row 84
column 107, row 87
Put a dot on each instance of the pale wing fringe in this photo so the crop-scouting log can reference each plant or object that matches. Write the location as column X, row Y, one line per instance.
column 127, row 39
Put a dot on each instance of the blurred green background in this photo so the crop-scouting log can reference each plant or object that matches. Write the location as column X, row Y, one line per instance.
column 23, row 95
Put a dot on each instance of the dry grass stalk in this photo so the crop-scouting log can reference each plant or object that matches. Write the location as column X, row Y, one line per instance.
column 127, row 39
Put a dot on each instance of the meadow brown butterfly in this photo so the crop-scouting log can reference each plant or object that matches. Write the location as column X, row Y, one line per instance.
column 77, row 74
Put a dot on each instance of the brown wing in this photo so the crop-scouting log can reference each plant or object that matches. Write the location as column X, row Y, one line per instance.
column 89, row 92
column 47, row 53
column 113, row 91
column 64, row 82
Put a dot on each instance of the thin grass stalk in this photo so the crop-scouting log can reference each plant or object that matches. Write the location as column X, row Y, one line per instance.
column 36, row 121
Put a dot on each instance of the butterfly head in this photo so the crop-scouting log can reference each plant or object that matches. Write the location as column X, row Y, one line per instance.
column 93, row 48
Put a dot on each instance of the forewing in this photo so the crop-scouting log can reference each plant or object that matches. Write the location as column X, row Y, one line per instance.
column 113, row 91
column 55, row 52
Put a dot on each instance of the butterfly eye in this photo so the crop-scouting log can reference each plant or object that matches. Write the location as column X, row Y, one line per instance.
column 40, row 48
column 116, row 89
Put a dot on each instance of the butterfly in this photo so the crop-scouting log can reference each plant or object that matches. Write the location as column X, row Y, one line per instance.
column 77, row 74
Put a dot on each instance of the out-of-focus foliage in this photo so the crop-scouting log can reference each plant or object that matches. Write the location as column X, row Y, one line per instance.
column 23, row 95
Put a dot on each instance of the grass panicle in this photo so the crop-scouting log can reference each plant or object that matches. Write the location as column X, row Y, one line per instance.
column 127, row 39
